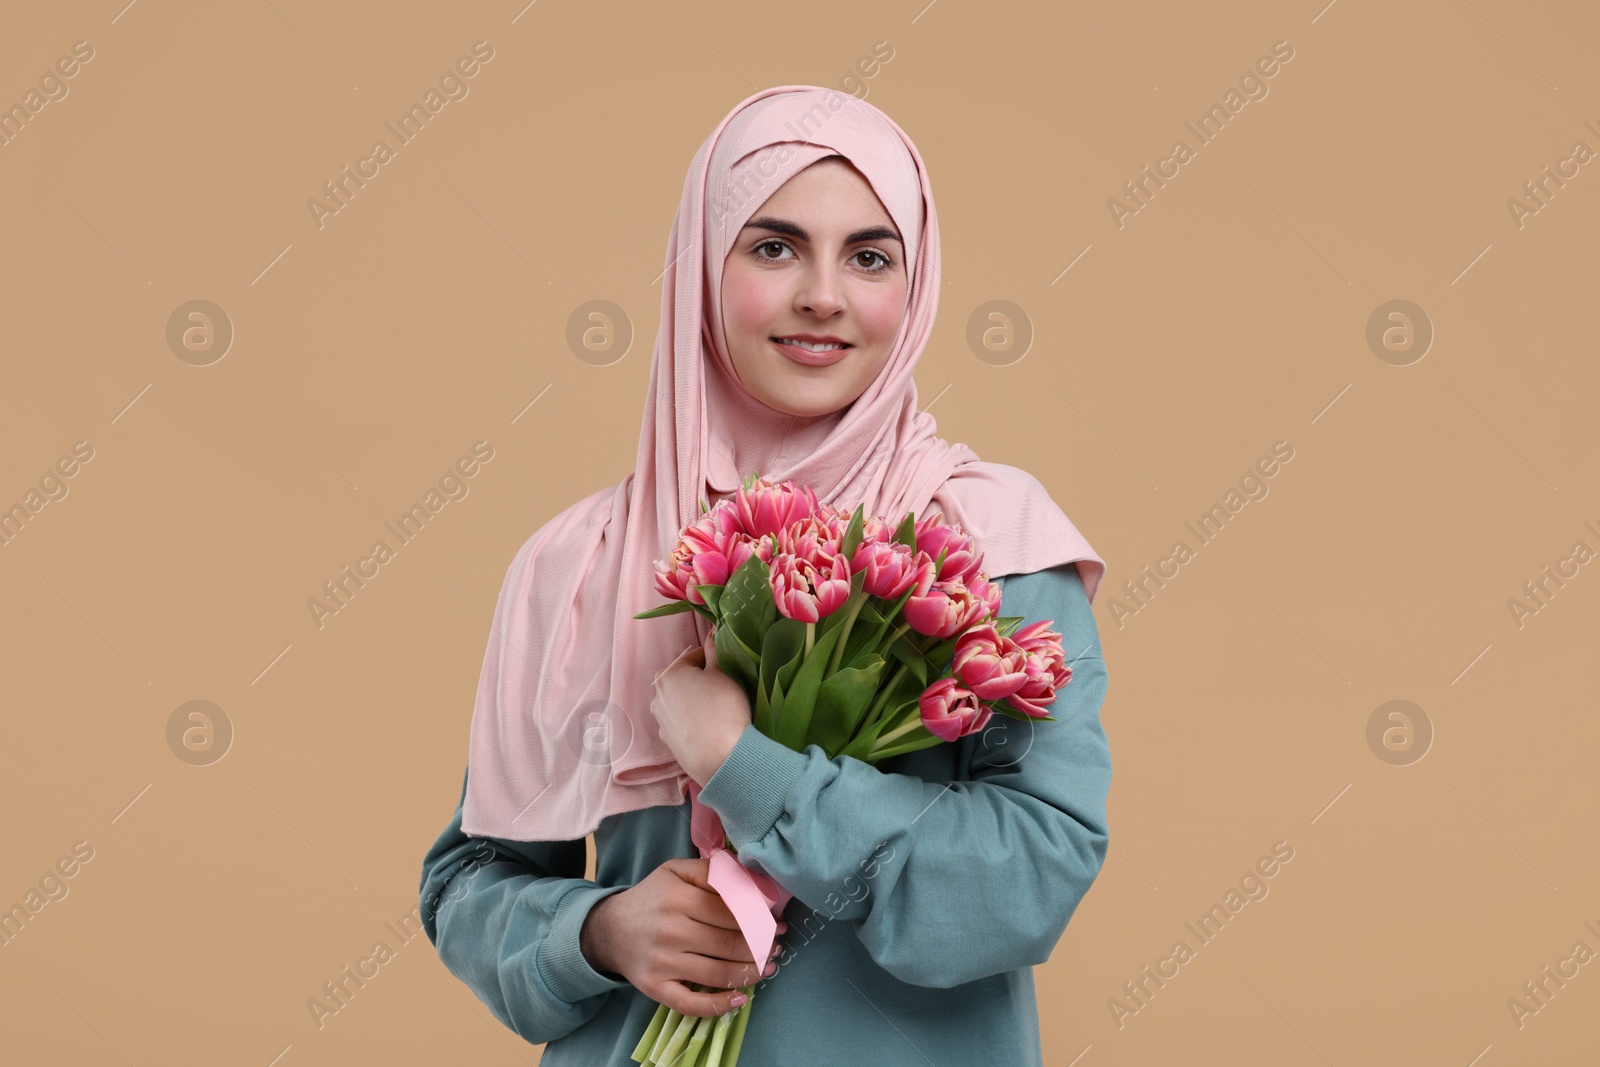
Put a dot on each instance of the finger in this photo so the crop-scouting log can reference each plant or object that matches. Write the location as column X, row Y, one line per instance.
column 696, row 872
column 726, row 944
column 692, row 650
column 710, row 909
column 691, row 1002
column 719, row 974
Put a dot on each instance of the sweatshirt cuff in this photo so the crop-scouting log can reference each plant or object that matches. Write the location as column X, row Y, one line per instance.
column 749, row 791
column 560, row 961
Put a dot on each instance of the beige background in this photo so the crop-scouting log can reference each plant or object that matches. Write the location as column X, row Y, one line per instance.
column 1229, row 313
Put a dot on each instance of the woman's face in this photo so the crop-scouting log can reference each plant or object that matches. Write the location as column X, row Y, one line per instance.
column 820, row 261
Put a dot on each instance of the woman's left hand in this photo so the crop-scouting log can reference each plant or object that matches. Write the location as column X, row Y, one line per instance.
column 700, row 711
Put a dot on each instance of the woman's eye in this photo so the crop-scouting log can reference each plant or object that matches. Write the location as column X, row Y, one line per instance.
column 767, row 245
column 883, row 261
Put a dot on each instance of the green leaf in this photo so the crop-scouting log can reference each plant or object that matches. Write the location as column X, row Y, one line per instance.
column 800, row 699
column 903, row 650
column 780, row 659
column 942, row 654
column 907, row 533
column 768, row 724
column 769, row 613
column 1006, row 625
column 711, row 594
column 761, row 709
column 882, row 618
column 1002, row 708
column 867, row 632
column 781, row 648
column 842, row 702
column 863, row 741
column 853, row 533
column 735, row 659
column 676, row 607
column 744, row 601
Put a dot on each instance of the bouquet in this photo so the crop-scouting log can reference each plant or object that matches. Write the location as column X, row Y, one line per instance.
column 864, row 639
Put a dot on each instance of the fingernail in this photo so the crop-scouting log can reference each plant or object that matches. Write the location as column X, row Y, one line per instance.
column 737, row 999
column 772, row 969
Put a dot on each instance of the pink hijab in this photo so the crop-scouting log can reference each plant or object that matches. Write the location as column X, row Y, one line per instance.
column 562, row 732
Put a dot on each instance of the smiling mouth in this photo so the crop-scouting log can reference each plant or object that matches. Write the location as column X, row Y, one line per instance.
column 811, row 346
column 809, row 353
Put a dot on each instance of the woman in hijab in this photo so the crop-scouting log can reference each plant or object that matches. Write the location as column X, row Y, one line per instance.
column 801, row 283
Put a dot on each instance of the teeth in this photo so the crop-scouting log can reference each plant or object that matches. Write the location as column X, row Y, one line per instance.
column 809, row 347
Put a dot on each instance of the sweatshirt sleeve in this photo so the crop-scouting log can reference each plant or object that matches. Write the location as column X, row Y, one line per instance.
column 945, row 882
column 505, row 918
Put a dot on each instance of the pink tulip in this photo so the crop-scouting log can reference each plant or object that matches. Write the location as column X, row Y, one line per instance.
column 1047, row 670
column 949, row 711
column 719, row 524
column 767, row 548
column 674, row 574
column 946, row 609
column 962, row 558
column 709, row 551
column 812, row 539
column 983, row 589
column 892, row 568
column 806, row 591
column 1037, row 637
column 990, row 665
column 766, row 508
column 677, row 577
column 876, row 529
column 718, row 531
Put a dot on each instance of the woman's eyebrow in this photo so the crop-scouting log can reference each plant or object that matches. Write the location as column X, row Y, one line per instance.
column 784, row 226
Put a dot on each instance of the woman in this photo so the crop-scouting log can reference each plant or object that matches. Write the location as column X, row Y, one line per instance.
column 802, row 279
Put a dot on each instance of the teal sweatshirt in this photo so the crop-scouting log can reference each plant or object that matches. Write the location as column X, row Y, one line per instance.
column 926, row 888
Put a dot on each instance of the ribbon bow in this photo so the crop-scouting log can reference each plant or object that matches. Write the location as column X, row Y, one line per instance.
column 754, row 898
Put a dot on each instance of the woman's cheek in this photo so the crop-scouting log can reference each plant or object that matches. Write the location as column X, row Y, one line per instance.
column 882, row 309
column 748, row 303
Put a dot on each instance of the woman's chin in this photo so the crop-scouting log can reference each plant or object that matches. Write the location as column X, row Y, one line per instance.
column 806, row 408
column 803, row 392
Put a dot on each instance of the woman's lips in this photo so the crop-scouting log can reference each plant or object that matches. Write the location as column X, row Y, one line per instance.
column 810, row 358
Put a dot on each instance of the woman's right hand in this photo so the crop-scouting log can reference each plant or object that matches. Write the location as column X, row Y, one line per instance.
column 671, row 929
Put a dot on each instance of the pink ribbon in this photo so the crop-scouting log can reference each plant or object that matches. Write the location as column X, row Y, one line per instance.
column 754, row 899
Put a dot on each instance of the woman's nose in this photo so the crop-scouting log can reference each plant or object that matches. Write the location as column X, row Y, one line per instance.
column 822, row 293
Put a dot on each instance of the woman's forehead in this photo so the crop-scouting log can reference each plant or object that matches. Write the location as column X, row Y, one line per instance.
column 828, row 198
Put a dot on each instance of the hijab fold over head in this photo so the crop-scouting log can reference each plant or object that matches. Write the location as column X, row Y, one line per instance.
column 562, row 731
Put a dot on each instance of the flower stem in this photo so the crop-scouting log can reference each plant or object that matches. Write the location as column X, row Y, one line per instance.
column 877, row 705
column 887, row 739
column 719, row 1039
column 641, row 1051
column 730, row 1055
column 668, row 1024
column 702, row 1030
column 680, row 1038
column 811, row 636
column 844, row 638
